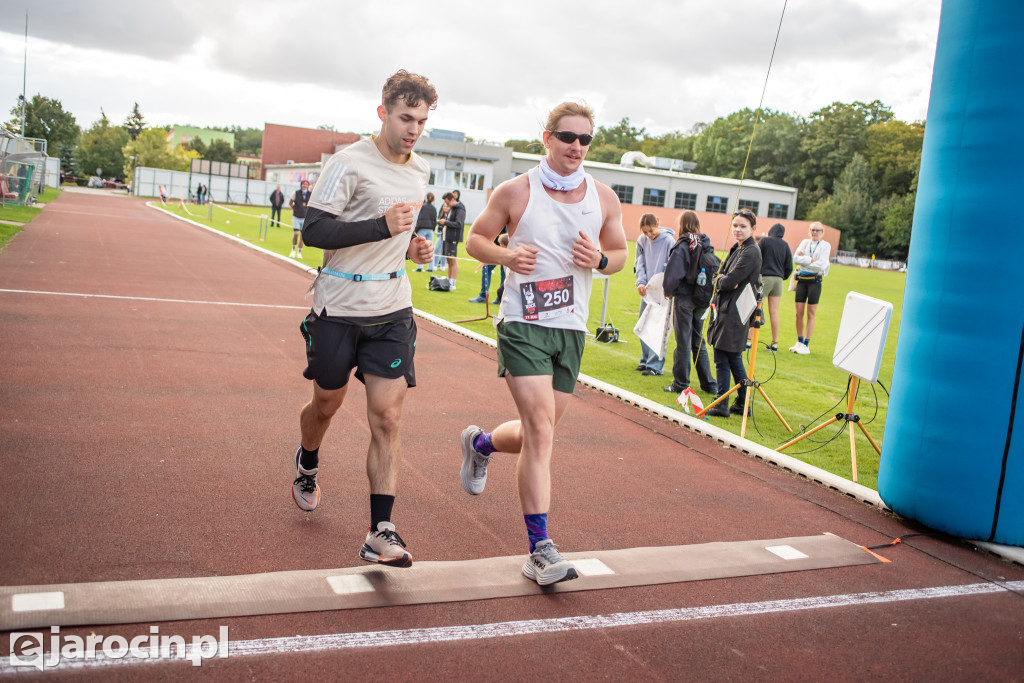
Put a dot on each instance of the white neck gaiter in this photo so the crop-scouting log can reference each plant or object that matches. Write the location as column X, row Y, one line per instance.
column 553, row 181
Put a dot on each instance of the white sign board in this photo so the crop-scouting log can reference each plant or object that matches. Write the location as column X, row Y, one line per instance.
column 862, row 333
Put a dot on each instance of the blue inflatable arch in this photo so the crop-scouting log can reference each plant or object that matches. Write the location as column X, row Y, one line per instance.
column 953, row 456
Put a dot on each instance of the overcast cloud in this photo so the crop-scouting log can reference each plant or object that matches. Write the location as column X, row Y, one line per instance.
column 498, row 67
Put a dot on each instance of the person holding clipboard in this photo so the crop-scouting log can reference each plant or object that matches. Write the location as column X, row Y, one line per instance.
column 739, row 280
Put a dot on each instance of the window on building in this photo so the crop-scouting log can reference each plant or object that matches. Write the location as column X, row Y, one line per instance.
column 654, row 197
column 778, row 210
column 625, row 193
column 717, row 204
column 748, row 204
column 686, row 200
column 456, row 179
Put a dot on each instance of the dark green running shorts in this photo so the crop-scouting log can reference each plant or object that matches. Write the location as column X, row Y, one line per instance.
column 525, row 350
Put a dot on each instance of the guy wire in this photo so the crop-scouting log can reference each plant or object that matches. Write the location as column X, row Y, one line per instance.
column 750, row 146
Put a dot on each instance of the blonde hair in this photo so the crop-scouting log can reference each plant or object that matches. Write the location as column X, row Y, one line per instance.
column 569, row 108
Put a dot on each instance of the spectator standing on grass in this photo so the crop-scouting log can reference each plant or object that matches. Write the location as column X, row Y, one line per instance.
column 559, row 222
column 276, row 202
column 486, row 270
column 362, row 214
column 687, row 316
column 298, row 206
column 652, row 247
column 425, row 222
column 728, row 330
column 812, row 264
column 439, row 260
column 776, row 267
column 453, row 224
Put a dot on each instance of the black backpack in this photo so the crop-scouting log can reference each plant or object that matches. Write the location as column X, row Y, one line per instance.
column 439, row 284
column 710, row 263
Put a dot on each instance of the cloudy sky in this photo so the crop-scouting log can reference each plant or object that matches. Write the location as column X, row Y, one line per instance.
column 498, row 66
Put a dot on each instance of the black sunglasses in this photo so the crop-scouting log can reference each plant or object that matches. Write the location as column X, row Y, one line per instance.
column 746, row 213
column 569, row 138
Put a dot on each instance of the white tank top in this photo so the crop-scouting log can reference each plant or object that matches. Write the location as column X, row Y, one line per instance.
column 543, row 297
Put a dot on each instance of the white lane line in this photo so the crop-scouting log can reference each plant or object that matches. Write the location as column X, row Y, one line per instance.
column 146, row 298
column 418, row 636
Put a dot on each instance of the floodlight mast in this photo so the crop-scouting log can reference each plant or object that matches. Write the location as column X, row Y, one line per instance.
column 24, row 77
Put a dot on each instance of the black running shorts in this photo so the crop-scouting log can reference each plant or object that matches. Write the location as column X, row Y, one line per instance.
column 450, row 248
column 334, row 348
column 808, row 291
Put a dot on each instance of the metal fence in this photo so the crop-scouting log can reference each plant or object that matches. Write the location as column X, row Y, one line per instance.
column 146, row 182
column 23, row 168
column 850, row 258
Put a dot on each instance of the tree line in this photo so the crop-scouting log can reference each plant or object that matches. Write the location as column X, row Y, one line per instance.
column 855, row 165
column 116, row 149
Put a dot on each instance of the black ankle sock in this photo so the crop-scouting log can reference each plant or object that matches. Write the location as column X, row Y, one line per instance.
column 309, row 460
column 380, row 509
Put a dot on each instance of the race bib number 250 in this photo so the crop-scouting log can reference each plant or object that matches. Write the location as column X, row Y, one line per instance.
column 547, row 298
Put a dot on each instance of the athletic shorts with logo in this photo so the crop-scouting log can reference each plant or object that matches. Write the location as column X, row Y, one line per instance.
column 380, row 348
column 525, row 350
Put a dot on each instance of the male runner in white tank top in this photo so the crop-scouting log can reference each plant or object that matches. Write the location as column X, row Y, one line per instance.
column 561, row 225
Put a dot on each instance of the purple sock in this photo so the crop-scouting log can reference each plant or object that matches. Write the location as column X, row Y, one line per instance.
column 482, row 444
column 536, row 528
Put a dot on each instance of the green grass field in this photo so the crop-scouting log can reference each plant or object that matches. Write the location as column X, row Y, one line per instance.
column 22, row 214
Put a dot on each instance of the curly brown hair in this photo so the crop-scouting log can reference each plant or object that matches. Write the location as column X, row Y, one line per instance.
column 410, row 89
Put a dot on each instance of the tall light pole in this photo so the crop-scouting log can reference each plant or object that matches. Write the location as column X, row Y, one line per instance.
column 24, row 78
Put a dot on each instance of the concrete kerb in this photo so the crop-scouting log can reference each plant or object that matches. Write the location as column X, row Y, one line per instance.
column 700, row 426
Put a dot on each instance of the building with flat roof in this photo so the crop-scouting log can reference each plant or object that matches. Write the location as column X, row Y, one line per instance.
column 303, row 148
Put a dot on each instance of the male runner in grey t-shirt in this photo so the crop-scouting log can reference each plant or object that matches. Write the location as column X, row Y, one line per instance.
column 361, row 212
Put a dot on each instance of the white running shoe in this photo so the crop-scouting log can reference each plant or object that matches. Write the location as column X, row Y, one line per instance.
column 794, row 347
column 305, row 490
column 385, row 546
column 474, row 465
column 803, row 350
column 545, row 565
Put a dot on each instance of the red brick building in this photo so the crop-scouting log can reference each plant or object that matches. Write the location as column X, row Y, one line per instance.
column 284, row 144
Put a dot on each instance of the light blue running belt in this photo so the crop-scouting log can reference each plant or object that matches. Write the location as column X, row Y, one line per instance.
column 359, row 278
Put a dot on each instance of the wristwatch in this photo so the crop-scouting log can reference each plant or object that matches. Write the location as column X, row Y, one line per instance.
column 604, row 261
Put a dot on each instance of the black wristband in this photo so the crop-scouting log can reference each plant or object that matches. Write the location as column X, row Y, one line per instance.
column 604, row 261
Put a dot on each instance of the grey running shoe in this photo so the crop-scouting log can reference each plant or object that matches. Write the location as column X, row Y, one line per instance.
column 545, row 565
column 474, row 465
column 385, row 546
column 305, row 490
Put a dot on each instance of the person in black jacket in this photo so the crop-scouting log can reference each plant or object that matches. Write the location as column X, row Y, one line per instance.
column 453, row 223
column 776, row 267
column 425, row 221
column 728, row 330
column 687, row 318
column 298, row 206
column 276, row 202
